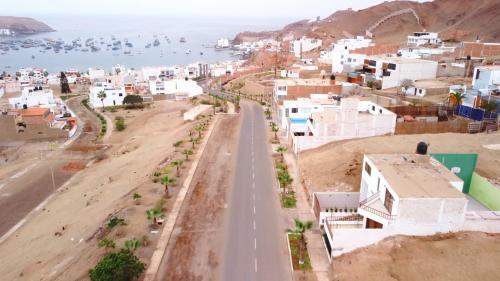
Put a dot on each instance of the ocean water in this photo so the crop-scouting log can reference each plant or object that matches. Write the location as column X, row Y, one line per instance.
column 139, row 30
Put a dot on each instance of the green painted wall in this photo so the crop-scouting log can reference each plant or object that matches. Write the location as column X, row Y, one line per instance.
column 485, row 192
column 466, row 163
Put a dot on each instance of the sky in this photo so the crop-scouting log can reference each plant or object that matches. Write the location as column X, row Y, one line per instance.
column 299, row 9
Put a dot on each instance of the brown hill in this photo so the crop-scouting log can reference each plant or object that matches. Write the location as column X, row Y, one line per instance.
column 24, row 25
column 454, row 20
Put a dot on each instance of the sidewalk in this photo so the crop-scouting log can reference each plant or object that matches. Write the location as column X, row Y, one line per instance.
column 303, row 211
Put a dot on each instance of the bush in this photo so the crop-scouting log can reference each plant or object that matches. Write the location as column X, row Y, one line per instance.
column 121, row 266
column 114, row 221
column 120, row 123
column 289, row 200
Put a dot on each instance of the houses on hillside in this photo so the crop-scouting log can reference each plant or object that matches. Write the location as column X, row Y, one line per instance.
column 423, row 38
column 33, row 96
column 176, row 89
column 303, row 45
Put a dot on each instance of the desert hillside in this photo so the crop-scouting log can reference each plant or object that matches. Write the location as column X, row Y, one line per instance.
column 454, row 20
column 24, row 25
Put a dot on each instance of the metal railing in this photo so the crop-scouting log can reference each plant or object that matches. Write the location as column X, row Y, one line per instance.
column 371, row 198
column 377, row 212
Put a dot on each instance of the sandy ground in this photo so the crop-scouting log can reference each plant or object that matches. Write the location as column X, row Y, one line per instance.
column 192, row 253
column 337, row 166
column 58, row 242
column 466, row 256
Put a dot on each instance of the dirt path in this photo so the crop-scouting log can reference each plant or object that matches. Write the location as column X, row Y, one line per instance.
column 192, row 253
column 466, row 256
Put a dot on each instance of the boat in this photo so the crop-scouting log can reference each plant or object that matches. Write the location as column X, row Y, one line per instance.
column 32, row 56
column 201, row 53
column 156, row 43
column 127, row 53
column 188, row 52
column 183, row 40
column 148, row 46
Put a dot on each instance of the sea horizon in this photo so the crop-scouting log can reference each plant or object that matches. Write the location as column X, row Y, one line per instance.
column 139, row 30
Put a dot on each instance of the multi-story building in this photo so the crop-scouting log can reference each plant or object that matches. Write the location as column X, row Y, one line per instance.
column 423, row 38
column 113, row 95
column 33, row 97
column 303, row 45
column 175, row 89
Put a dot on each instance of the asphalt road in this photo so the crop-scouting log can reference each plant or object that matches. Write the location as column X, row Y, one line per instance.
column 254, row 248
column 24, row 190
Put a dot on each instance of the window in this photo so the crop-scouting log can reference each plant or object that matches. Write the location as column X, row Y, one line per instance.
column 378, row 185
column 389, row 200
column 287, row 112
column 120, row 94
column 281, row 88
column 477, row 74
column 368, row 169
column 295, row 110
column 392, row 66
column 373, row 107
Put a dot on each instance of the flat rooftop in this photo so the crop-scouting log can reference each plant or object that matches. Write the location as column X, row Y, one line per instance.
column 416, row 176
column 489, row 67
column 304, row 82
column 399, row 60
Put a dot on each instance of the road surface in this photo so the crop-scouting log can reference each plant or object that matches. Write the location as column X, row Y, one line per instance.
column 254, row 244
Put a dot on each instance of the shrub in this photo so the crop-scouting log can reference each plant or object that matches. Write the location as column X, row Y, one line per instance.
column 120, row 123
column 121, row 266
column 114, row 221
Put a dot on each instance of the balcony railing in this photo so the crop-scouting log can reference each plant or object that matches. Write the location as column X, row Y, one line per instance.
column 377, row 212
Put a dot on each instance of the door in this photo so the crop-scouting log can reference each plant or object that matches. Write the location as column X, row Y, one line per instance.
column 373, row 224
column 388, row 201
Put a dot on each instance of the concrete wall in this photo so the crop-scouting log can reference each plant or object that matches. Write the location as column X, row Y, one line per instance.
column 431, row 211
column 413, row 71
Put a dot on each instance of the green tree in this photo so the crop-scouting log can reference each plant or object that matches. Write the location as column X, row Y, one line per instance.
column 64, row 84
column 178, row 165
column 285, row 180
column 281, row 149
column 199, row 129
column 101, row 95
column 178, row 144
column 133, row 100
column 153, row 215
column 300, row 229
column 132, row 245
column 120, row 123
column 275, row 130
column 166, row 181
column 268, row 113
column 489, row 105
column 121, row 266
column 137, row 198
column 107, row 244
column 187, row 152
column 193, row 141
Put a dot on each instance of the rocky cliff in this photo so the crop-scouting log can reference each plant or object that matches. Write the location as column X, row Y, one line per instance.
column 22, row 25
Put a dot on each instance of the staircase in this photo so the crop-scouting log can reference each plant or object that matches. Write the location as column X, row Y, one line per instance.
column 369, row 31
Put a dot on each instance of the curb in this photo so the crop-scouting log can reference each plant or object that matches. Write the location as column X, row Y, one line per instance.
column 161, row 245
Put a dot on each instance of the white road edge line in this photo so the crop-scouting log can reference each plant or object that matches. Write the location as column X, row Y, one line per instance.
column 255, row 243
column 256, row 265
column 254, row 226
column 254, row 210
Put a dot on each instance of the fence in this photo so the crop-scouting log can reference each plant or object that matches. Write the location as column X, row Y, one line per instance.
column 477, row 114
column 433, row 110
column 411, row 128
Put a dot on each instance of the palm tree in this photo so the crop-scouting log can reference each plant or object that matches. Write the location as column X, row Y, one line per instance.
column 166, row 181
column 284, row 179
column 102, row 95
column 178, row 144
column 193, row 141
column 132, row 245
column 489, row 106
column 458, row 95
column 199, row 129
column 275, row 130
column 300, row 228
column 178, row 165
column 137, row 198
column 153, row 215
column 107, row 244
column 281, row 149
column 187, row 152
column 268, row 113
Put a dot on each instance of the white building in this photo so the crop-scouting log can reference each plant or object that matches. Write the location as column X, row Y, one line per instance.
column 304, row 45
column 290, row 73
column 5, row 32
column 176, row 89
column 114, row 95
column 486, row 77
column 390, row 71
column 313, row 122
column 423, row 38
column 96, row 73
column 33, row 97
column 406, row 194
column 423, row 52
column 222, row 43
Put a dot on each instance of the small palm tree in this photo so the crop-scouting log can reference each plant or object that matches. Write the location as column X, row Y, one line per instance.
column 281, row 149
column 137, row 198
column 153, row 215
column 199, row 129
column 101, row 95
column 268, row 113
column 489, row 106
column 275, row 130
column 178, row 144
column 166, row 181
column 300, row 229
column 107, row 244
column 284, row 179
column 178, row 165
column 187, row 152
column 132, row 245
column 193, row 141
column 457, row 95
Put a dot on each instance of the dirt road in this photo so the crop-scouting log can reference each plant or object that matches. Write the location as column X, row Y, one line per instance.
column 194, row 249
